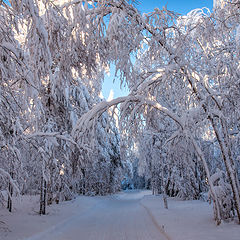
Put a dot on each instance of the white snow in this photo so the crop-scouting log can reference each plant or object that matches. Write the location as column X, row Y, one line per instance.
column 25, row 221
column 126, row 215
column 190, row 220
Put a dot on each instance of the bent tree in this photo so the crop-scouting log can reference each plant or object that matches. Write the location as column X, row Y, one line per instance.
column 184, row 67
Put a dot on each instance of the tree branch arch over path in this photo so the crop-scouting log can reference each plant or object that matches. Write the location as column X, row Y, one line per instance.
column 86, row 121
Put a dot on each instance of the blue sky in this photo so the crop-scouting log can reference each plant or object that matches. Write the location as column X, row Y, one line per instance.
column 180, row 6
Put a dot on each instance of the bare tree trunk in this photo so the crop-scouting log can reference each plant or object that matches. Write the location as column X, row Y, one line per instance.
column 10, row 193
column 43, row 196
column 165, row 199
column 50, row 193
column 164, row 191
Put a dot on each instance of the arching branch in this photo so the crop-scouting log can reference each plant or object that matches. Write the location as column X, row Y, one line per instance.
column 85, row 121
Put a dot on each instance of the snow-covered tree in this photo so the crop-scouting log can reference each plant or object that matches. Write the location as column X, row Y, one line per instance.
column 182, row 68
column 183, row 75
column 52, row 68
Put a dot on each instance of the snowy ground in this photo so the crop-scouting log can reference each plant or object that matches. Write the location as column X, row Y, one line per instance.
column 189, row 220
column 128, row 215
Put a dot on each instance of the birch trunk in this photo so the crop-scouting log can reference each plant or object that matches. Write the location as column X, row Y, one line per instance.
column 229, row 164
column 216, row 207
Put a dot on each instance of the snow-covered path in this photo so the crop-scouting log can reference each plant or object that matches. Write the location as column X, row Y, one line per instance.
column 119, row 217
column 127, row 215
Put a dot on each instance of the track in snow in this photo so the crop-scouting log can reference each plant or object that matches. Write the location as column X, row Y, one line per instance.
column 121, row 217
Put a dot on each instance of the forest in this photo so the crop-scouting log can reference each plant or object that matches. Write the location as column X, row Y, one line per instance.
column 178, row 130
